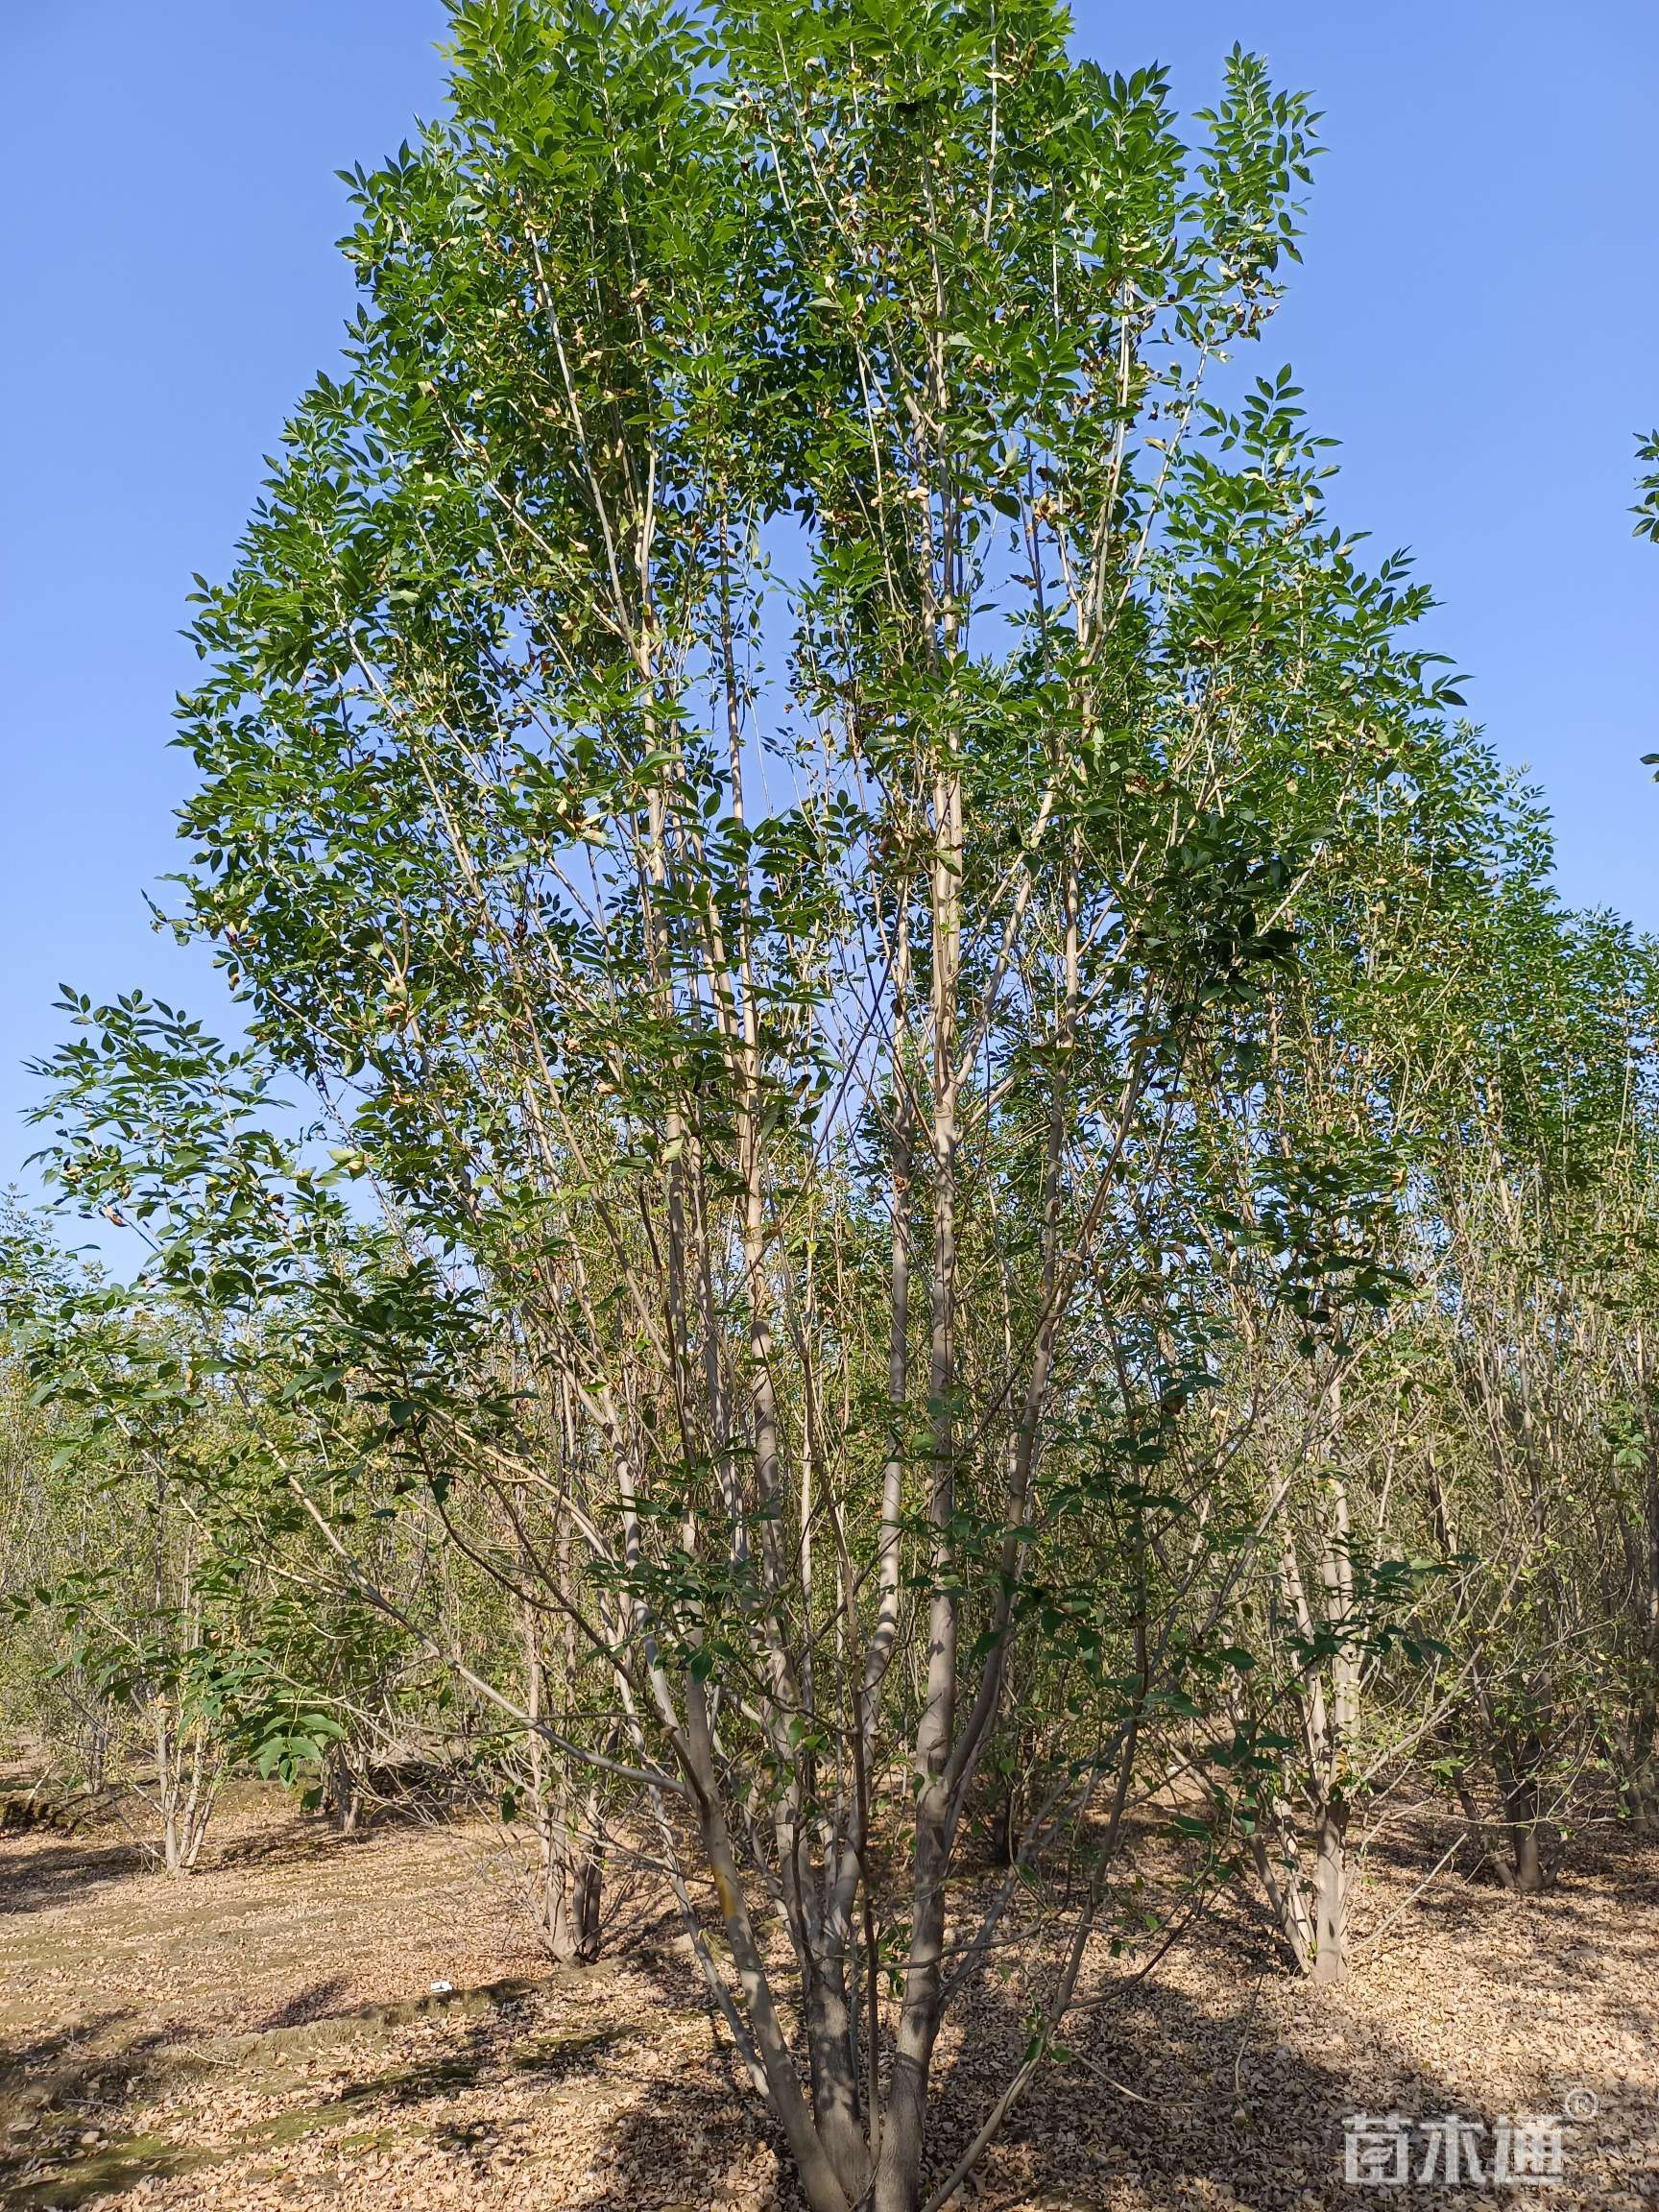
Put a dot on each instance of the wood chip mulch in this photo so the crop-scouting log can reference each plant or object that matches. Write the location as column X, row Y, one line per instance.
column 264, row 2037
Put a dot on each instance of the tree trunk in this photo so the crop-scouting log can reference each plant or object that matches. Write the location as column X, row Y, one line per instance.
column 1330, row 1961
column 342, row 1791
column 899, row 2170
column 567, row 1883
column 1527, row 1870
column 187, row 1783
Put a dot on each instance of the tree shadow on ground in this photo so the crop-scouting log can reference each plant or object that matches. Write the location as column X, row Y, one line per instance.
column 307, row 2004
column 56, row 2088
column 1168, row 2101
column 80, row 2093
column 1235, row 2088
column 1182, row 2094
column 36, row 1876
column 50, row 1870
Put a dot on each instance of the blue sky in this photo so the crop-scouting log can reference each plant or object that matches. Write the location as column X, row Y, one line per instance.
column 1476, row 319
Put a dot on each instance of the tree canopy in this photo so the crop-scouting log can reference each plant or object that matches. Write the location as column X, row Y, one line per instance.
column 922, row 1175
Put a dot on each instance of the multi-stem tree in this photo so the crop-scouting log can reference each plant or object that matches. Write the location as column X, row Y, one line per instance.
column 765, row 748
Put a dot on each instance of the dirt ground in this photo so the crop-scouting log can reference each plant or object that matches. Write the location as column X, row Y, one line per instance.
column 265, row 2035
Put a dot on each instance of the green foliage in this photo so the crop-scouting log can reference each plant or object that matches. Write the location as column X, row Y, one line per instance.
column 954, row 1134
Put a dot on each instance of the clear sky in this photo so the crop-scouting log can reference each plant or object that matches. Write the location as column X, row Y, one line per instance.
column 1478, row 320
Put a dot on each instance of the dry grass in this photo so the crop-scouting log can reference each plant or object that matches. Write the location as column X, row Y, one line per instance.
column 262, row 2036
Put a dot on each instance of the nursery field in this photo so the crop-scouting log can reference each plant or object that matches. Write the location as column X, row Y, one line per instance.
column 266, row 2034
column 865, row 1416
